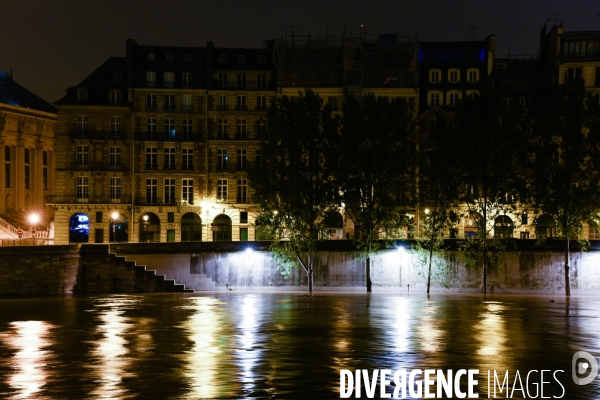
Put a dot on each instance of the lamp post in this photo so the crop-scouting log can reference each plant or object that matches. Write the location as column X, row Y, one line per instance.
column 145, row 218
column 114, row 216
column 33, row 220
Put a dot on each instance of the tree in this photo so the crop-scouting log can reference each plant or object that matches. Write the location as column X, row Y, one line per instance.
column 377, row 154
column 293, row 181
column 488, row 143
column 436, row 189
column 565, row 133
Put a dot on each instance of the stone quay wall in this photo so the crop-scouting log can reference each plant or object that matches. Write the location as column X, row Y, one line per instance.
column 248, row 266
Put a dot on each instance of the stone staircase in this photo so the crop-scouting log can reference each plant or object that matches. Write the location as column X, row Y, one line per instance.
column 104, row 272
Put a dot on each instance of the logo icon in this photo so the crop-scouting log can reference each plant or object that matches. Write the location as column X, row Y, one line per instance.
column 584, row 362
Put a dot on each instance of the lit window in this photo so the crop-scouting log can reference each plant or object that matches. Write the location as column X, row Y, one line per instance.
column 222, row 189
column 222, row 159
column 82, row 187
column 187, row 190
column 115, row 188
column 186, row 102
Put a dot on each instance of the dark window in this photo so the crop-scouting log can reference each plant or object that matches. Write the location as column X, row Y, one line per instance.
column 524, row 220
column 7, row 175
column 98, row 216
column 26, row 156
column 27, row 177
column 170, row 217
column 243, row 217
column 45, row 178
column 7, row 153
column 45, row 158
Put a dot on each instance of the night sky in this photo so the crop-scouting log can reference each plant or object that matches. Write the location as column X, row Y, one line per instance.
column 54, row 44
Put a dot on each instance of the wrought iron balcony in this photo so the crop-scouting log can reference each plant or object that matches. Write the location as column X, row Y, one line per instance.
column 97, row 135
column 91, row 199
column 241, row 107
column 169, row 136
column 187, row 107
column 97, row 166
column 243, row 85
column 169, row 107
column 166, row 201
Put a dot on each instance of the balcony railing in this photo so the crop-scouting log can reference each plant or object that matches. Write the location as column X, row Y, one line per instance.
column 241, row 107
column 187, row 107
column 166, row 201
column 243, row 85
column 91, row 199
column 222, row 107
column 98, row 166
column 151, row 106
column 169, row 136
column 97, row 135
column 231, row 167
column 169, row 107
column 234, row 136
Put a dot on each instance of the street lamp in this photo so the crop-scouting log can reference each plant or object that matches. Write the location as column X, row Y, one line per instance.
column 33, row 220
column 145, row 218
column 114, row 216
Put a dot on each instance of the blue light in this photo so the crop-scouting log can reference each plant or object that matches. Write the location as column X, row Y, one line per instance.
column 482, row 54
column 420, row 55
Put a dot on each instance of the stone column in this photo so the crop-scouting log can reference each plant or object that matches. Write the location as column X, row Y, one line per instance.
column 38, row 178
column 20, row 175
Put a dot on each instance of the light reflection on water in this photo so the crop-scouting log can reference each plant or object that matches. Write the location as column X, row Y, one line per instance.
column 270, row 345
column 30, row 340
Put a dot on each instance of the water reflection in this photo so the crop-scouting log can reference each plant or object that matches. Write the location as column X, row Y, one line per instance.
column 491, row 335
column 111, row 351
column 428, row 330
column 29, row 339
column 201, row 359
column 247, row 354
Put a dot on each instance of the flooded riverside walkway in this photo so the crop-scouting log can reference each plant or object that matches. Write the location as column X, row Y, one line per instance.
column 286, row 345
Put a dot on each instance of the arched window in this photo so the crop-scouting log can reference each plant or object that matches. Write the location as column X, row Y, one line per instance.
column 149, row 228
column 334, row 226
column 79, row 228
column 545, row 227
column 119, row 228
column 221, row 227
column 191, row 228
column 504, row 227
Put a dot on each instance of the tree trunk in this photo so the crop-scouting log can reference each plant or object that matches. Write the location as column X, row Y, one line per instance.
column 567, row 279
column 368, row 272
column 309, row 272
column 484, row 270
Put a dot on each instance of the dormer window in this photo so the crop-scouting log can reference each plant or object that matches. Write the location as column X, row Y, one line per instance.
column 222, row 58
column 241, row 58
column 187, row 57
column 453, row 75
column 435, row 75
column 151, row 56
column 261, row 58
column 117, row 77
column 169, row 56
column 473, row 75
column 82, row 94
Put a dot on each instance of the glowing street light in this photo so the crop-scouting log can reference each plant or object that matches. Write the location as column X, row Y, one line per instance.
column 33, row 218
column 114, row 216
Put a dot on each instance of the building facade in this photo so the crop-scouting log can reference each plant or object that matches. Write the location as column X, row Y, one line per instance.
column 27, row 173
column 154, row 146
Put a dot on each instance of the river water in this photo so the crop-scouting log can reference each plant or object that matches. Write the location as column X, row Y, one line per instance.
column 286, row 345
